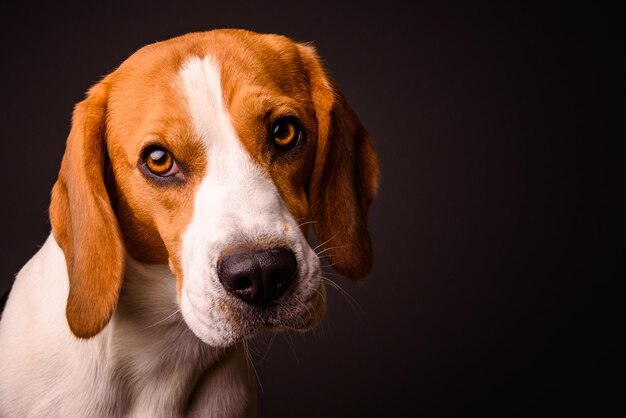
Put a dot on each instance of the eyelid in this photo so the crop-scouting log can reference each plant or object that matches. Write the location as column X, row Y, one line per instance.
column 152, row 146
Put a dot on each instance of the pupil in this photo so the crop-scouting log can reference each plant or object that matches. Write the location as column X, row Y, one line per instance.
column 284, row 131
column 281, row 130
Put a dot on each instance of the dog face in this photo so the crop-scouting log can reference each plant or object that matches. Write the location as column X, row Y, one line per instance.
column 210, row 152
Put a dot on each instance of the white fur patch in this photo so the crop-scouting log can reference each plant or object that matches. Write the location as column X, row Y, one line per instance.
column 235, row 204
column 144, row 363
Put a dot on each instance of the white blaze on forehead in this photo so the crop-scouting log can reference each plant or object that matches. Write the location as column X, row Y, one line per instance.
column 231, row 177
column 203, row 89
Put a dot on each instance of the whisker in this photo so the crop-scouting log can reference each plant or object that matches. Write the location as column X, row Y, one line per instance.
column 326, row 242
column 326, row 265
column 326, row 326
column 269, row 346
column 323, row 296
column 181, row 326
column 308, row 311
column 354, row 304
column 325, row 256
column 288, row 338
column 307, row 223
column 331, row 248
column 331, row 256
column 252, row 348
column 250, row 363
column 330, row 273
column 162, row 320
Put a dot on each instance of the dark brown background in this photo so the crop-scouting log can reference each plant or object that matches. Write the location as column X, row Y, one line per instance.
column 491, row 291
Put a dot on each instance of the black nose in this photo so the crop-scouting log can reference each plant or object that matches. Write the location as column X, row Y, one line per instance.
column 258, row 277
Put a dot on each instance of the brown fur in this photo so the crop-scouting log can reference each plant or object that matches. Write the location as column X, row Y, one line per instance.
column 331, row 178
column 83, row 221
column 344, row 178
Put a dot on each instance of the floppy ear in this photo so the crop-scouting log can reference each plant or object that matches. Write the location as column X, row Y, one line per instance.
column 83, row 222
column 344, row 178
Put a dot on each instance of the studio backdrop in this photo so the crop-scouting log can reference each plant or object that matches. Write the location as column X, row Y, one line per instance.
column 490, row 225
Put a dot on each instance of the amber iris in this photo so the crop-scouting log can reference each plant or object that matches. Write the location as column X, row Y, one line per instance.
column 159, row 161
column 285, row 133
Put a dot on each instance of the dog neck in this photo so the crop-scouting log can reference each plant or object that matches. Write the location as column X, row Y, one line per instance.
column 145, row 363
column 156, row 366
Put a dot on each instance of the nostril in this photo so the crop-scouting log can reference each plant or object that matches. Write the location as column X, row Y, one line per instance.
column 278, row 278
column 239, row 274
column 279, row 269
column 258, row 277
column 241, row 283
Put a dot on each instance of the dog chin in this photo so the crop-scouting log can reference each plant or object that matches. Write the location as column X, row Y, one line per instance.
column 226, row 333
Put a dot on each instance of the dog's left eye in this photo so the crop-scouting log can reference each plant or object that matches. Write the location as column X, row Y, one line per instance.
column 286, row 133
column 160, row 162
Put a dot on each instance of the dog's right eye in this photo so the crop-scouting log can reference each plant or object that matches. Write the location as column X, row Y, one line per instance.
column 160, row 162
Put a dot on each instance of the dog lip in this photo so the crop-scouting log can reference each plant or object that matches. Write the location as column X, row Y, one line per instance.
column 293, row 311
column 251, row 323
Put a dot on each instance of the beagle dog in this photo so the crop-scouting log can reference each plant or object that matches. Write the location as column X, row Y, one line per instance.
column 179, row 230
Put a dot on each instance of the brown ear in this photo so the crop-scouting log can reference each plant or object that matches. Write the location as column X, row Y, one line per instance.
column 344, row 177
column 83, row 222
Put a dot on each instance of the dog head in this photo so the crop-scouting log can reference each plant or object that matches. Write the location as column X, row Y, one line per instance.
column 210, row 152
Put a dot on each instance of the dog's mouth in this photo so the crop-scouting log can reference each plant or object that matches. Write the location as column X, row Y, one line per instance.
column 230, row 320
column 303, row 316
